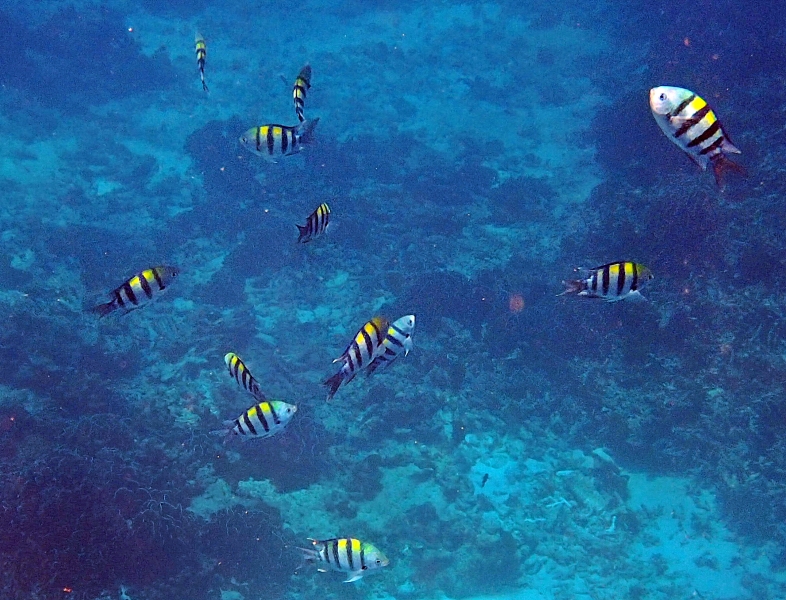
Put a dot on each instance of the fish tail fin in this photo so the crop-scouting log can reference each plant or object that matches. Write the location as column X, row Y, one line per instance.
column 333, row 383
column 226, row 431
column 307, row 130
column 104, row 309
column 573, row 286
column 303, row 233
column 722, row 165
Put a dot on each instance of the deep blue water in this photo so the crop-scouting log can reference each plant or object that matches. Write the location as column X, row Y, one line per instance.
column 530, row 446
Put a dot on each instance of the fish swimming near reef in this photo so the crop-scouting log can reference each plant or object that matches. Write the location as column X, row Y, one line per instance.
column 302, row 84
column 201, row 54
column 274, row 141
column 689, row 122
column 361, row 351
column 263, row 420
column 241, row 374
column 316, row 224
column 347, row 555
column 397, row 340
column 139, row 290
column 612, row 282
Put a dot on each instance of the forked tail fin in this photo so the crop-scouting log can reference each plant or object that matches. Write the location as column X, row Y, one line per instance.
column 721, row 165
column 333, row 383
column 573, row 286
column 303, row 233
column 104, row 309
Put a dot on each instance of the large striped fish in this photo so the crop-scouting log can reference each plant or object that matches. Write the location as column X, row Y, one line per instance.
column 612, row 282
column 361, row 351
column 302, row 84
column 238, row 370
column 201, row 54
column 397, row 340
column 263, row 420
column 138, row 290
column 689, row 122
column 274, row 141
column 348, row 555
column 316, row 224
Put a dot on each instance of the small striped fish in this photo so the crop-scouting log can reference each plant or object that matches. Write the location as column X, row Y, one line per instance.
column 302, row 84
column 242, row 375
column 274, row 141
column 316, row 224
column 612, row 282
column 262, row 420
column 348, row 555
column 364, row 348
column 201, row 53
column 138, row 290
column 689, row 122
column 397, row 340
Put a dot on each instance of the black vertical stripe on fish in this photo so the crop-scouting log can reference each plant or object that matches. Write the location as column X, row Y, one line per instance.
column 271, row 141
column 145, row 284
column 261, row 417
column 705, row 135
column 259, row 139
column 695, row 119
column 350, row 558
column 682, row 105
column 119, row 298
column 159, row 281
column 362, row 557
column 284, row 142
column 129, row 291
column 239, row 426
column 276, row 420
column 605, row 288
column 635, row 283
column 712, row 147
column 248, row 423
column 246, row 376
column 334, row 543
column 620, row 279
column 594, row 284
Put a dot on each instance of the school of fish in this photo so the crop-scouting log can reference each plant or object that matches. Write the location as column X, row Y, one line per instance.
column 683, row 116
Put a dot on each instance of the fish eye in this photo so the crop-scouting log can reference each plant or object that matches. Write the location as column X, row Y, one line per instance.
column 379, row 562
column 662, row 97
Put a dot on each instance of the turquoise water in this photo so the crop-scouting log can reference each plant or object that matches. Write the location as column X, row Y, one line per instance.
column 474, row 155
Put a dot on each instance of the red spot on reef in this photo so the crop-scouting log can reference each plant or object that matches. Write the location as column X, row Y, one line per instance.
column 516, row 303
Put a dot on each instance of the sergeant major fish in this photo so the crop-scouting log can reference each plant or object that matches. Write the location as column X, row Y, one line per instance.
column 364, row 348
column 242, row 375
column 274, row 141
column 612, row 282
column 302, row 84
column 397, row 340
column 689, row 122
column 348, row 555
column 316, row 224
column 138, row 290
column 263, row 420
column 201, row 54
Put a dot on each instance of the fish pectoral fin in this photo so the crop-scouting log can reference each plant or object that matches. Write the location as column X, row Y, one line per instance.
column 355, row 576
column 635, row 297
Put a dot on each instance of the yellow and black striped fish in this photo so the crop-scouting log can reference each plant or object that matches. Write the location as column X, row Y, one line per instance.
column 274, row 141
column 238, row 370
column 316, row 224
column 689, row 122
column 263, row 420
column 138, row 290
column 302, row 84
column 397, row 340
column 612, row 282
column 201, row 54
column 348, row 555
column 362, row 350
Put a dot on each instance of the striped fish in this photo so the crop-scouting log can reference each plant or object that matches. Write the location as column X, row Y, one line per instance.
column 397, row 340
column 138, row 290
column 238, row 370
column 302, row 84
column 274, row 141
column 348, row 555
column 201, row 53
column 612, row 282
column 362, row 350
column 316, row 224
column 689, row 122
column 262, row 420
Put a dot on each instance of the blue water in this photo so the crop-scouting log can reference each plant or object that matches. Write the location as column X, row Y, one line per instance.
column 474, row 155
